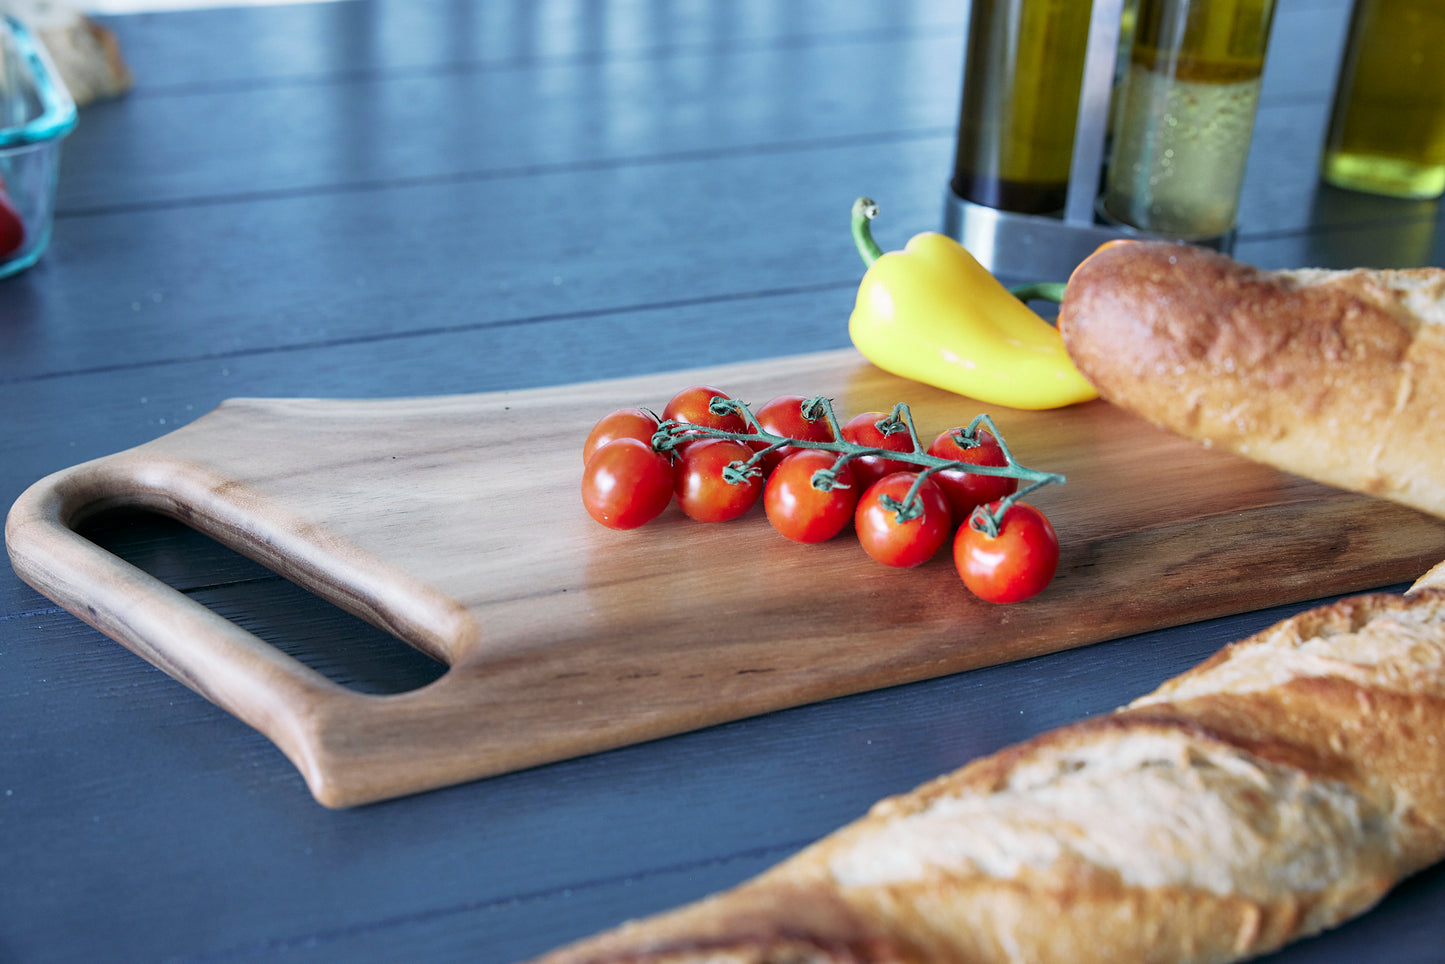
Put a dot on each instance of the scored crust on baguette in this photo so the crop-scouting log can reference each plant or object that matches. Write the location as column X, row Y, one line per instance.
column 1278, row 789
column 1338, row 376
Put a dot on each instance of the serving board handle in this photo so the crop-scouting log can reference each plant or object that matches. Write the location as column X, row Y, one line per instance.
column 225, row 663
column 291, row 703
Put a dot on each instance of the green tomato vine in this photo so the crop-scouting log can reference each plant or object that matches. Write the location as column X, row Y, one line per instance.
column 671, row 434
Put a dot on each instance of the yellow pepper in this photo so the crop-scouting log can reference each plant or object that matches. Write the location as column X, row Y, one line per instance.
column 932, row 313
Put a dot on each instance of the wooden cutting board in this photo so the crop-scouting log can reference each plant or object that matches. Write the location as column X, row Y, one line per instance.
column 456, row 524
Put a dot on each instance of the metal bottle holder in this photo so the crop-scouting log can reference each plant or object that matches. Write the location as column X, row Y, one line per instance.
column 1049, row 246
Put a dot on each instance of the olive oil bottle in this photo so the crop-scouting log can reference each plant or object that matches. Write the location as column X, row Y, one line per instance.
column 1186, row 116
column 1023, row 67
column 1387, row 130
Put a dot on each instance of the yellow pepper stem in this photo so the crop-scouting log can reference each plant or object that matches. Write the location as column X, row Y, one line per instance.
column 865, row 209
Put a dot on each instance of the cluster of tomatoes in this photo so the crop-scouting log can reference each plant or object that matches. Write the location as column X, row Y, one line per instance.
column 903, row 509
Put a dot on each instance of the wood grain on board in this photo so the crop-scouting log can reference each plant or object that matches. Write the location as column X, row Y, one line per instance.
column 455, row 523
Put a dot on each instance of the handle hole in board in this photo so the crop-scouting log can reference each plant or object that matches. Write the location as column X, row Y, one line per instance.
column 340, row 646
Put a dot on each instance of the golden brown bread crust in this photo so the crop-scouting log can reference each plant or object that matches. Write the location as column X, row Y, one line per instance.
column 1338, row 376
column 1435, row 577
column 1278, row 789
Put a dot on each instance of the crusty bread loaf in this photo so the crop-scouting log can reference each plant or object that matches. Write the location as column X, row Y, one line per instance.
column 1274, row 791
column 1434, row 578
column 1338, row 376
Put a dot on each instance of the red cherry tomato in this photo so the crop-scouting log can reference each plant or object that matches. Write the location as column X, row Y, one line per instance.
column 801, row 511
column 623, row 423
column 784, row 416
column 12, row 228
column 701, row 490
column 1014, row 565
column 691, row 406
column 966, row 490
column 863, row 430
column 908, row 543
column 626, row 484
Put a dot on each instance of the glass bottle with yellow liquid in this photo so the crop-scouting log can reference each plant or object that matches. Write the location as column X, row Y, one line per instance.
column 1387, row 130
column 1185, row 120
column 1022, row 73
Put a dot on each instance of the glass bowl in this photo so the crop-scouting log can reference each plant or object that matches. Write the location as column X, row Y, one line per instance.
column 36, row 112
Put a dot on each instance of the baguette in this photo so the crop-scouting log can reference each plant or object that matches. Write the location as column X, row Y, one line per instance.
column 1276, row 790
column 1337, row 376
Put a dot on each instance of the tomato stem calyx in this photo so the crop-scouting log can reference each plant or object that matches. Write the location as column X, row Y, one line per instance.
column 671, row 434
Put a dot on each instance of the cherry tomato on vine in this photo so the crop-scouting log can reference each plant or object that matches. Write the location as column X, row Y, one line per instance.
column 801, row 511
column 701, row 490
column 908, row 543
column 784, row 416
column 863, row 430
column 626, row 484
column 623, row 423
column 966, row 490
column 1012, row 566
column 691, row 405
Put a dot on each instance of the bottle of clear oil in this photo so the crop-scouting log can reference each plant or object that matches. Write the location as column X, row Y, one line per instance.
column 1023, row 68
column 1387, row 130
column 1185, row 120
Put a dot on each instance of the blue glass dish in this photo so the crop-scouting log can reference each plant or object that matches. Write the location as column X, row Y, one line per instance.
column 36, row 112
